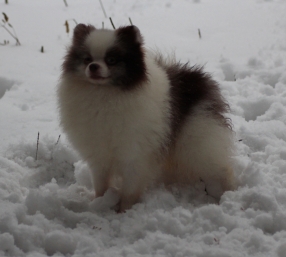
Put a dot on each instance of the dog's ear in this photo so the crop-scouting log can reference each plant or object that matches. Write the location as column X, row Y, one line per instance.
column 130, row 34
column 81, row 31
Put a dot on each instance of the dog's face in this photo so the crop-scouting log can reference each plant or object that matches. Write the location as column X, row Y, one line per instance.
column 106, row 57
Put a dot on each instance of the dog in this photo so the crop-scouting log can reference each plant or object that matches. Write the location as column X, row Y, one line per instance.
column 134, row 115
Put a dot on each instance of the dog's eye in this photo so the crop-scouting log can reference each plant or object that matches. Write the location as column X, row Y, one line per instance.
column 87, row 60
column 111, row 60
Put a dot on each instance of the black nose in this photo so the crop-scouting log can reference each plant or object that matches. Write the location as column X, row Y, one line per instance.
column 93, row 67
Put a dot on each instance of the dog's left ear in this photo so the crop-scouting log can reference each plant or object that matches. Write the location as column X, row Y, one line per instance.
column 130, row 34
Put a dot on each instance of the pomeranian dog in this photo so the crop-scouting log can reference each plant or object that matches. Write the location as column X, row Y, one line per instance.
column 134, row 115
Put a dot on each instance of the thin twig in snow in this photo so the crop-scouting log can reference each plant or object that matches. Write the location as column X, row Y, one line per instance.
column 102, row 7
column 37, row 145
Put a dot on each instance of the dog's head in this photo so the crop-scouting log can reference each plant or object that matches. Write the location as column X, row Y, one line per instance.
column 106, row 57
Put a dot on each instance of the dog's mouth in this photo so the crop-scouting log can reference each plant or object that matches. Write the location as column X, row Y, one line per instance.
column 97, row 79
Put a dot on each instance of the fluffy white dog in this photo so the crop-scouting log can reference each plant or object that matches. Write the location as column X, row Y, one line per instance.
column 135, row 116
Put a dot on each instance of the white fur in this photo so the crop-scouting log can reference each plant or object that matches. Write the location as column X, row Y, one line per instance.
column 98, row 41
column 116, row 132
column 202, row 152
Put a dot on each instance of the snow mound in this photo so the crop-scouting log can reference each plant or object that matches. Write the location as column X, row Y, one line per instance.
column 5, row 85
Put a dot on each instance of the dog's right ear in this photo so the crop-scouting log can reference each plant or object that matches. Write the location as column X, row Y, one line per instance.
column 81, row 31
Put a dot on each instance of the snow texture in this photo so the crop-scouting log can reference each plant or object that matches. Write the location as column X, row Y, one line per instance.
column 47, row 205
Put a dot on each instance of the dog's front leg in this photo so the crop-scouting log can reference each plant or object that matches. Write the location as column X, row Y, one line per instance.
column 134, row 180
column 100, row 181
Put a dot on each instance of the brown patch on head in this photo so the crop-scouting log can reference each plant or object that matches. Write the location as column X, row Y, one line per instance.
column 129, row 34
column 75, row 52
column 130, row 71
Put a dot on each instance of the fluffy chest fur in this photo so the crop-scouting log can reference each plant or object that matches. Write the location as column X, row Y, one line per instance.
column 106, row 123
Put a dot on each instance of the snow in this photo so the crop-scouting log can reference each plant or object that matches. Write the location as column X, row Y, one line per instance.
column 47, row 206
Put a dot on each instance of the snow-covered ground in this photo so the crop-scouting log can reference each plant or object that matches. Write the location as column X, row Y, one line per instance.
column 47, row 206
